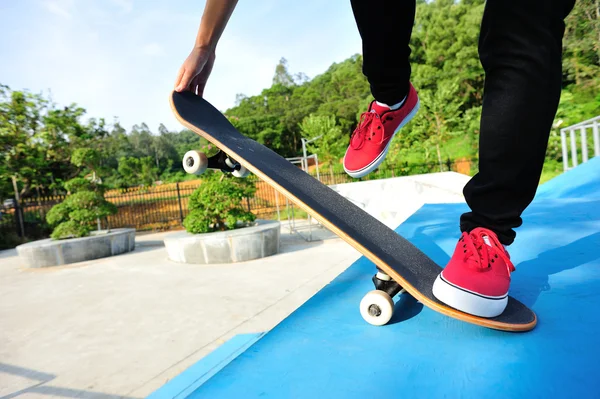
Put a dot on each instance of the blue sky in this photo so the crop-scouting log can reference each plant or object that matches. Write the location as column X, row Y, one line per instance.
column 119, row 58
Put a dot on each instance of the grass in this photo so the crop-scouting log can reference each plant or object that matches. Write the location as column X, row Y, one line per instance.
column 457, row 148
column 551, row 170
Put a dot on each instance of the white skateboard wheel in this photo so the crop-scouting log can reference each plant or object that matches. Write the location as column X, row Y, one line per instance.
column 377, row 307
column 243, row 172
column 195, row 162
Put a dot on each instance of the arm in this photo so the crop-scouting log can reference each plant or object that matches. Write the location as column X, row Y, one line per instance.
column 196, row 69
column 215, row 18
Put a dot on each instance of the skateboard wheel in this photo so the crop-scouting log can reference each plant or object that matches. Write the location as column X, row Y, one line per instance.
column 195, row 162
column 230, row 162
column 243, row 172
column 377, row 307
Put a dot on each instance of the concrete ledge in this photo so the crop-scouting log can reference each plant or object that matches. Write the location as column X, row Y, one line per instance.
column 246, row 243
column 188, row 381
column 49, row 252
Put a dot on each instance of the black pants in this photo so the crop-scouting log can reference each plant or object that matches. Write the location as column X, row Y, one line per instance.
column 520, row 48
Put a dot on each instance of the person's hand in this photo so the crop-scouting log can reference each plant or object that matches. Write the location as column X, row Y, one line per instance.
column 194, row 72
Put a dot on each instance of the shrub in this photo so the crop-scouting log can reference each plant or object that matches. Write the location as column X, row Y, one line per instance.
column 85, row 205
column 77, row 214
column 217, row 205
column 78, row 184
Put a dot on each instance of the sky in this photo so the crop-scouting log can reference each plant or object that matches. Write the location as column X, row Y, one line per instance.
column 119, row 58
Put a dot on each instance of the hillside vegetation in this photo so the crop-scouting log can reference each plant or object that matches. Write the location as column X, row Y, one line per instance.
column 37, row 137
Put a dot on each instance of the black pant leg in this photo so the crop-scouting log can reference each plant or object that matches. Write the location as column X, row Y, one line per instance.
column 385, row 28
column 520, row 49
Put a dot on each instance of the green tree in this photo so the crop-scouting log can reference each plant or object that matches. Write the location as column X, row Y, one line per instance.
column 282, row 76
column 328, row 143
column 77, row 214
column 85, row 205
column 37, row 140
column 440, row 114
column 138, row 170
column 37, row 137
column 22, row 155
column 218, row 204
column 581, row 60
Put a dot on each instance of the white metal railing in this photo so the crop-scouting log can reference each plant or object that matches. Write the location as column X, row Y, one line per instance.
column 582, row 129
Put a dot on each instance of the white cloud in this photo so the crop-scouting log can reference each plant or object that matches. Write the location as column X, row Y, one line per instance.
column 61, row 8
column 125, row 5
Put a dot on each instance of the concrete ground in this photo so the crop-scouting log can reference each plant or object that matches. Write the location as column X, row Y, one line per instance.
column 123, row 326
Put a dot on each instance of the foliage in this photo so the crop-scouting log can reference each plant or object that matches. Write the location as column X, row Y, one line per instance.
column 327, row 138
column 440, row 118
column 87, row 157
column 78, row 184
column 9, row 239
column 217, row 204
column 77, row 214
column 581, row 60
column 274, row 117
column 38, row 139
column 138, row 170
column 70, row 229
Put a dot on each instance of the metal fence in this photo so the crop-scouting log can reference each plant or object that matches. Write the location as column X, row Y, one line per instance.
column 161, row 208
column 164, row 207
column 591, row 125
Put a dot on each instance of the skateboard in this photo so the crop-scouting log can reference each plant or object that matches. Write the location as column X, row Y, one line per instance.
column 401, row 266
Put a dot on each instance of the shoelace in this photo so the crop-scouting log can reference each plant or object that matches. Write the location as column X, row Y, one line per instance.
column 479, row 254
column 368, row 121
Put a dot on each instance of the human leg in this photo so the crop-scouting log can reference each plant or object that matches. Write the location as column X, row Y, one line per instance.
column 520, row 50
column 385, row 29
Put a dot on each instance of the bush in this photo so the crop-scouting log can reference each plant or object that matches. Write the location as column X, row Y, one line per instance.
column 70, row 229
column 78, row 184
column 217, row 204
column 78, row 213
column 85, row 205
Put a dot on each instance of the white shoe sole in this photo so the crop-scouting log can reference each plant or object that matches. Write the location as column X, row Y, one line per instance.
column 468, row 301
column 375, row 164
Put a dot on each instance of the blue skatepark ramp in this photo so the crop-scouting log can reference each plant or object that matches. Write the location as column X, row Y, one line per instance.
column 326, row 350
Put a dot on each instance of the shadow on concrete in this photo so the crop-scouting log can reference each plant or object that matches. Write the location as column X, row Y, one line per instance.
column 147, row 245
column 7, row 253
column 42, row 389
column 405, row 308
column 291, row 242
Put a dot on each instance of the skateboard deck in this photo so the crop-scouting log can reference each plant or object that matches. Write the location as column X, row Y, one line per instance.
column 408, row 266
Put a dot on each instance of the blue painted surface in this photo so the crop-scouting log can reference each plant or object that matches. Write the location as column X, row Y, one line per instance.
column 579, row 182
column 185, row 383
column 325, row 349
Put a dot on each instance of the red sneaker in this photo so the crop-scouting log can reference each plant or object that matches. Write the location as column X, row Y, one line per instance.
column 372, row 137
column 477, row 278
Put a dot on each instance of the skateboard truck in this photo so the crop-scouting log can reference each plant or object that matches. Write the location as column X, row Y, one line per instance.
column 196, row 163
column 377, row 306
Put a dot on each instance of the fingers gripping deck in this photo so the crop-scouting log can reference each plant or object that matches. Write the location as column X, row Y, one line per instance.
column 399, row 258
